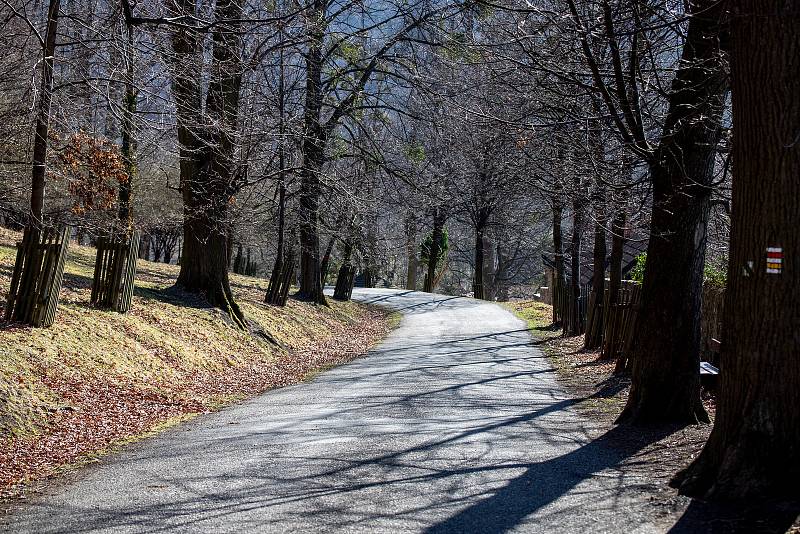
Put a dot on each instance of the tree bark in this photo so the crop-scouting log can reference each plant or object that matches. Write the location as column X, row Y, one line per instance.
column 753, row 449
column 38, row 179
column 574, row 323
column 665, row 358
column 326, row 259
column 207, row 153
column 276, row 277
column 489, row 275
column 411, row 252
column 558, row 259
column 433, row 254
column 313, row 152
column 128, row 140
column 615, row 264
column 481, row 220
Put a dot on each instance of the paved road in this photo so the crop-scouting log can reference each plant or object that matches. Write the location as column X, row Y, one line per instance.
column 454, row 424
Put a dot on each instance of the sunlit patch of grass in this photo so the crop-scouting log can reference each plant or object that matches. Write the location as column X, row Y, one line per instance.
column 165, row 337
column 537, row 315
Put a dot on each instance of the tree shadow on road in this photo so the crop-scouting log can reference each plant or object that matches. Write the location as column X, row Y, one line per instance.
column 544, row 482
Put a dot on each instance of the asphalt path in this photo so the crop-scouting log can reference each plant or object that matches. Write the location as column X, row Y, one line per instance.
column 455, row 423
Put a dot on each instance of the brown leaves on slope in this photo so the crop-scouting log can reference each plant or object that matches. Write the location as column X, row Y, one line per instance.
column 100, row 411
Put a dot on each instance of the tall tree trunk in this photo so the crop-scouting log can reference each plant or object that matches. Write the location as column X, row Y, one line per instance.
column 753, row 449
column 326, row 259
column 43, row 115
column 665, row 358
column 207, row 153
column 313, row 151
column 411, row 252
column 478, row 285
column 128, row 140
column 594, row 318
column 558, row 259
column 344, row 279
column 574, row 322
column 594, row 328
column 277, row 269
column 615, row 264
column 433, row 254
column 237, row 260
column 489, row 279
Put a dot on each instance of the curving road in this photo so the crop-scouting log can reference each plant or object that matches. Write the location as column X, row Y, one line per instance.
column 455, row 423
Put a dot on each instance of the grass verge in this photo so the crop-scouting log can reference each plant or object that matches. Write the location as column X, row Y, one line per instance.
column 97, row 379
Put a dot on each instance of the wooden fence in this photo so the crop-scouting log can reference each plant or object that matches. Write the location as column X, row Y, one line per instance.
column 620, row 320
column 37, row 276
column 115, row 271
column 564, row 305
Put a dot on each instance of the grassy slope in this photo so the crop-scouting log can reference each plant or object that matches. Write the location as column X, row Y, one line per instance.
column 96, row 377
column 590, row 380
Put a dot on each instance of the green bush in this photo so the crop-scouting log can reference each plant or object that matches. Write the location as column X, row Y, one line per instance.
column 637, row 273
column 427, row 243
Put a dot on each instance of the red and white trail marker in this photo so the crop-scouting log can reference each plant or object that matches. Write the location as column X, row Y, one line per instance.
column 774, row 260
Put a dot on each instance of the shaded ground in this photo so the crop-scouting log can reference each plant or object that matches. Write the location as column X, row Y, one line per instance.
column 97, row 379
column 456, row 423
column 602, row 397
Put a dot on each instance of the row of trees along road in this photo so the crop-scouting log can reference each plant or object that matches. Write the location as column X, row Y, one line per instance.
column 450, row 143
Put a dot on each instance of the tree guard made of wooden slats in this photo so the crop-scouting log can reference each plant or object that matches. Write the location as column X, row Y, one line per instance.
column 344, row 282
column 37, row 276
column 115, row 272
column 278, row 291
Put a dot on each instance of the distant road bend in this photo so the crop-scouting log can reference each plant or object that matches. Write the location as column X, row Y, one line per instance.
column 455, row 423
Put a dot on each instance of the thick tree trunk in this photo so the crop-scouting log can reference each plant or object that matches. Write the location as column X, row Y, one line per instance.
column 665, row 359
column 433, row 254
column 144, row 247
column 594, row 326
column 344, row 280
column 207, row 153
column 754, row 450
column 237, row 260
column 313, row 152
column 204, row 262
column 326, row 259
column 43, row 116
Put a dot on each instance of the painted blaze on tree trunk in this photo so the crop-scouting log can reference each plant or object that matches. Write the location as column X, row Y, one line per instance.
column 665, row 360
column 754, row 448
